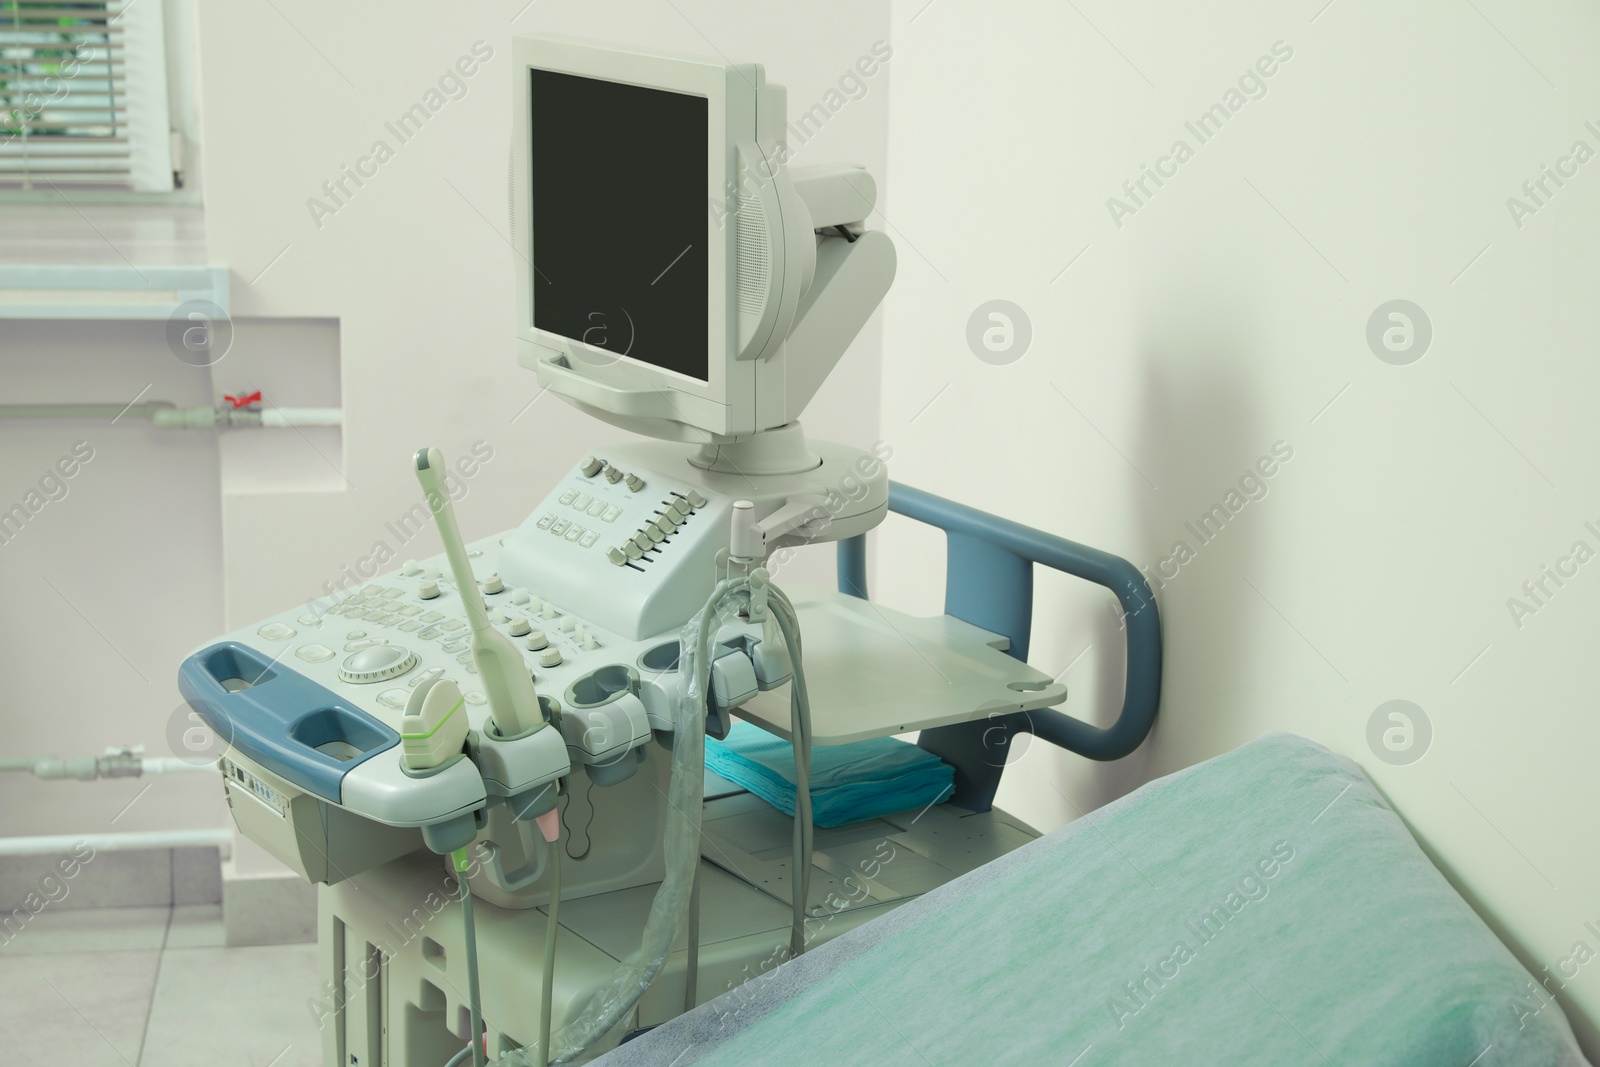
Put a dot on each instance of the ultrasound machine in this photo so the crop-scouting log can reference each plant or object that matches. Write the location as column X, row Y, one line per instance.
column 492, row 761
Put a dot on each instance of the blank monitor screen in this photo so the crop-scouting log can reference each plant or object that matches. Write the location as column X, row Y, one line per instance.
column 620, row 218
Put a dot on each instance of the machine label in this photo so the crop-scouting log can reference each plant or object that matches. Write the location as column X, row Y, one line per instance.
column 239, row 776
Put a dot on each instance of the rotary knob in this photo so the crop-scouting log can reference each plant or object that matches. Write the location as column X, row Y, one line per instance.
column 376, row 663
column 591, row 466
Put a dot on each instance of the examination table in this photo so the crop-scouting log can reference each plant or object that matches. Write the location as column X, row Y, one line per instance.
column 1265, row 907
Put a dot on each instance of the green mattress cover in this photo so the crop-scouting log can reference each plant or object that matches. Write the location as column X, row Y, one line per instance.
column 1265, row 907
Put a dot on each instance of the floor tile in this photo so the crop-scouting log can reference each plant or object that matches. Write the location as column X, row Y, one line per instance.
column 245, row 1007
column 197, row 926
column 86, row 1009
column 58, row 931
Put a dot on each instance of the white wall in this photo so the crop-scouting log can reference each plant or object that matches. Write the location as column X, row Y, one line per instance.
column 111, row 583
column 1227, row 314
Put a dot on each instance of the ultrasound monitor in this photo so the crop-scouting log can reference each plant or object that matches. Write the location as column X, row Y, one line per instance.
column 665, row 256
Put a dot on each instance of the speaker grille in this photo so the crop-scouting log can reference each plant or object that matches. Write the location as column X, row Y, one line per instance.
column 754, row 255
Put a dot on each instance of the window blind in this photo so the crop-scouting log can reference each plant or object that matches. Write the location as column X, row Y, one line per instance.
column 83, row 96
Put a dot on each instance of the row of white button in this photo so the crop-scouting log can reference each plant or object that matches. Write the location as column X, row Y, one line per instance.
column 594, row 506
column 397, row 698
column 373, row 604
column 570, row 530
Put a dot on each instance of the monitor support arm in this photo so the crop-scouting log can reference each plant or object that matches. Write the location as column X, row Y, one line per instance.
column 851, row 278
column 835, row 193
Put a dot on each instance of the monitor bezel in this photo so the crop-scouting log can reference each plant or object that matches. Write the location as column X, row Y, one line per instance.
column 731, row 97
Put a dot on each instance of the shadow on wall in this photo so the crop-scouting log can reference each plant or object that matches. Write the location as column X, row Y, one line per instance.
column 1199, row 428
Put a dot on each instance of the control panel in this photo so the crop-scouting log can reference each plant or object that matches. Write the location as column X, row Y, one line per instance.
column 591, row 591
column 635, row 547
column 602, row 507
column 314, row 699
column 375, row 643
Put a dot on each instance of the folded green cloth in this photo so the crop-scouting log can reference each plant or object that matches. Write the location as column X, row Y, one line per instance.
column 849, row 783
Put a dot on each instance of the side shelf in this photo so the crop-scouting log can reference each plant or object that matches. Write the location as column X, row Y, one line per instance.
column 989, row 584
column 891, row 673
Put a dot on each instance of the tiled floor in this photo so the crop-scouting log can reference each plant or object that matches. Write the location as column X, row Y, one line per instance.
column 153, row 987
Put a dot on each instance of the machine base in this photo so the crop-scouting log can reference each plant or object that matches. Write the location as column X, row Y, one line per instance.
column 393, row 959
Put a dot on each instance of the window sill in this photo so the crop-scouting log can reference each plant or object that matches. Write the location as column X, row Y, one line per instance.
column 103, row 234
column 105, row 261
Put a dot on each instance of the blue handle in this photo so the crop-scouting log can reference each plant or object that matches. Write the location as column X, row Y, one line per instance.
column 989, row 583
column 279, row 717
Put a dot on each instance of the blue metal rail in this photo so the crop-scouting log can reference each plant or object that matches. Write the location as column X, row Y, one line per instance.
column 989, row 583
